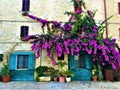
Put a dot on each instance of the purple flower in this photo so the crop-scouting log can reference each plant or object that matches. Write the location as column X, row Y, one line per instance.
column 67, row 50
column 90, row 13
column 53, row 62
column 67, row 27
column 88, row 51
column 38, row 54
column 32, row 17
column 27, row 38
column 78, row 12
column 43, row 21
column 56, row 24
column 36, row 47
column 113, row 66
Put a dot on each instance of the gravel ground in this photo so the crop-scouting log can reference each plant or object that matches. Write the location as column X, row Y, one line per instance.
column 74, row 85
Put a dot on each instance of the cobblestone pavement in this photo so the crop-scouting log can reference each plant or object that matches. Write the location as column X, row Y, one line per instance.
column 74, row 85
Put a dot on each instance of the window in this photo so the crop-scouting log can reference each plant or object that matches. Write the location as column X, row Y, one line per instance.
column 61, row 57
column 24, row 32
column 22, row 62
column 118, row 7
column 77, row 5
column 82, row 61
column 25, row 5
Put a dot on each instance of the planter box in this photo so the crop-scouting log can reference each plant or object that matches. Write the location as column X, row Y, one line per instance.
column 44, row 79
column 109, row 75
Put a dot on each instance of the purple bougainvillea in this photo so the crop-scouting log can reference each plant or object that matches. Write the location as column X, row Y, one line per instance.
column 81, row 34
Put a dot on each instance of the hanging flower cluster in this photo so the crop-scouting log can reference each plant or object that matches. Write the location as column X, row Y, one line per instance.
column 81, row 33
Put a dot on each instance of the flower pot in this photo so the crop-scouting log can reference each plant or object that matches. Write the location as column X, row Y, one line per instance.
column 109, row 75
column 5, row 79
column 68, row 79
column 118, row 79
column 44, row 79
column 94, row 78
column 55, row 78
column 61, row 79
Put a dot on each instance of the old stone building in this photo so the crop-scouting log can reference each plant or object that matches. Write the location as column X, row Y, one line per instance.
column 12, row 21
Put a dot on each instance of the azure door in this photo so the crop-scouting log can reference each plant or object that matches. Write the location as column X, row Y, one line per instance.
column 81, row 67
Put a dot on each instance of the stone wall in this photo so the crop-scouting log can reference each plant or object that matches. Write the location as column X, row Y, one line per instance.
column 11, row 20
column 114, row 22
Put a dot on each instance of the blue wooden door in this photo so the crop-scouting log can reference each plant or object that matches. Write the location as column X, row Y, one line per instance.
column 21, row 65
column 81, row 67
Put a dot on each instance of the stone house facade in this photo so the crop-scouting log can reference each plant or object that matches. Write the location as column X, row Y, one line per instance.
column 11, row 20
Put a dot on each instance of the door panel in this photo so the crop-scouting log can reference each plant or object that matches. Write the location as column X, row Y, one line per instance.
column 81, row 67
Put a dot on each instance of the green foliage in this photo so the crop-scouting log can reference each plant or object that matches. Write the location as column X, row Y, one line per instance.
column 69, row 73
column 95, row 70
column 61, row 65
column 41, row 70
column 5, row 70
column 54, row 73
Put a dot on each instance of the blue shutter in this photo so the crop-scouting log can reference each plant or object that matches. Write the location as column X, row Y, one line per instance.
column 12, row 62
column 88, row 62
column 72, row 62
column 31, row 61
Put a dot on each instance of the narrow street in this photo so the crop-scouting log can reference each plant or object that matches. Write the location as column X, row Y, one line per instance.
column 74, row 85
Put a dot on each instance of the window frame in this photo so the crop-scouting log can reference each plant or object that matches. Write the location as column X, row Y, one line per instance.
column 22, row 68
column 24, row 31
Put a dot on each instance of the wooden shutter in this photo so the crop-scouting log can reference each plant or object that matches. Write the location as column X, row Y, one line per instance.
column 31, row 61
column 25, row 5
column 12, row 62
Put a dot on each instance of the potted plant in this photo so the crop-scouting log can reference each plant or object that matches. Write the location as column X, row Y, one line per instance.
column 43, row 73
column 68, row 74
column 55, row 74
column 5, row 73
column 61, row 64
column 109, row 72
column 95, row 73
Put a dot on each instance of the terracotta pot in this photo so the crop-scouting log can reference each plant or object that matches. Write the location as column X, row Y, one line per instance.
column 118, row 79
column 109, row 75
column 94, row 78
column 5, row 79
column 55, row 78
column 61, row 79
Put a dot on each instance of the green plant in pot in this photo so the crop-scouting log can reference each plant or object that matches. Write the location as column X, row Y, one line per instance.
column 55, row 74
column 68, row 74
column 5, row 73
column 61, row 65
column 95, row 73
column 43, row 73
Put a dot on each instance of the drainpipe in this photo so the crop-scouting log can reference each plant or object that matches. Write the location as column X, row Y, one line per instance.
column 105, row 11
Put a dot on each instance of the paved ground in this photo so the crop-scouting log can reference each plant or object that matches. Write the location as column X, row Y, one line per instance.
column 74, row 85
